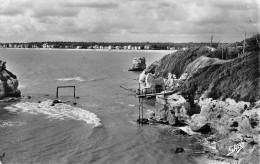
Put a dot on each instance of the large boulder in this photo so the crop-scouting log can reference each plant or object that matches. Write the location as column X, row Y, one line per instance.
column 173, row 108
column 218, row 115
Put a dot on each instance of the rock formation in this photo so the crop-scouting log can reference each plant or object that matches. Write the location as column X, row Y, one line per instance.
column 215, row 92
column 8, row 83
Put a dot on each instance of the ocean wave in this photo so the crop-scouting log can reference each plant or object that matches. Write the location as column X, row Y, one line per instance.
column 97, row 79
column 4, row 124
column 21, row 86
column 72, row 79
column 58, row 111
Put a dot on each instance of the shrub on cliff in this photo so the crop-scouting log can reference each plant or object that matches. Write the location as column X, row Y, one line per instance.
column 237, row 79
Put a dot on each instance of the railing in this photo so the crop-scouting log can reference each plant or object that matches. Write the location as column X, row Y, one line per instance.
column 57, row 93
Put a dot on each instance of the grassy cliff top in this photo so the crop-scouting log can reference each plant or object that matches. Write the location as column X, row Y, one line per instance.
column 236, row 75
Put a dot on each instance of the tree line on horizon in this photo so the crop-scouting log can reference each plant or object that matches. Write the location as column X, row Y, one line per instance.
column 86, row 45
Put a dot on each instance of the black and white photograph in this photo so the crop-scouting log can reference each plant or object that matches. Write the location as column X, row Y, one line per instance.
column 129, row 81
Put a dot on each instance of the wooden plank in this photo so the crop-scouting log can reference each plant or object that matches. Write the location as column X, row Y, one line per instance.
column 154, row 94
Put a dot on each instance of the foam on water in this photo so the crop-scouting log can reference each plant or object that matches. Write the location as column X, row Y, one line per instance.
column 4, row 124
column 58, row 111
column 149, row 112
column 71, row 79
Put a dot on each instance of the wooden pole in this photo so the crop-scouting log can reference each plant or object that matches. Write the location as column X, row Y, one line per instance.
column 139, row 102
column 57, row 92
column 244, row 45
column 222, row 52
column 142, row 107
column 211, row 40
column 74, row 92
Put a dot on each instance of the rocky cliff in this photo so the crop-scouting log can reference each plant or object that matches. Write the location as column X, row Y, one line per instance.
column 219, row 96
column 8, row 83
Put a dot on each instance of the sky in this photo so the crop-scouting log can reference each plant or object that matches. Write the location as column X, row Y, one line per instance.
column 128, row 20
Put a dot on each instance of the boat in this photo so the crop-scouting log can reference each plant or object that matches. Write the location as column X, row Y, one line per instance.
column 138, row 64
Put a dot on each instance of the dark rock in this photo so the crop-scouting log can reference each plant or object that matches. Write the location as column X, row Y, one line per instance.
column 29, row 97
column 1, row 157
column 179, row 132
column 11, row 99
column 74, row 103
column 56, row 102
column 177, row 150
column 205, row 129
column 143, row 121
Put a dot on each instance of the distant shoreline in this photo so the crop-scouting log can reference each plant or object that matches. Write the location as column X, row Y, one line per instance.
column 102, row 50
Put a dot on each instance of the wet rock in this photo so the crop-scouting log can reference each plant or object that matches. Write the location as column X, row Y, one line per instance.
column 178, row 132
column 11, row 99
column 143, row 121
column 177, row 150
column 56, row 102
column 1, row 157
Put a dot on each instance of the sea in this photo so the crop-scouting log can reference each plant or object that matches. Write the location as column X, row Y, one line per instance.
column 97, row 126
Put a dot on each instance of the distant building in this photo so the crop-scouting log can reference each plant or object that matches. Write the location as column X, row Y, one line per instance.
column 25, row 45
column 96, row 47
column 45, row 45
column 137, row 47
column 118, row 47
column 129, row 47
column 79, row 47
column 35, row 46
column 110, row 47
column 147, row 47
column 11, row 45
